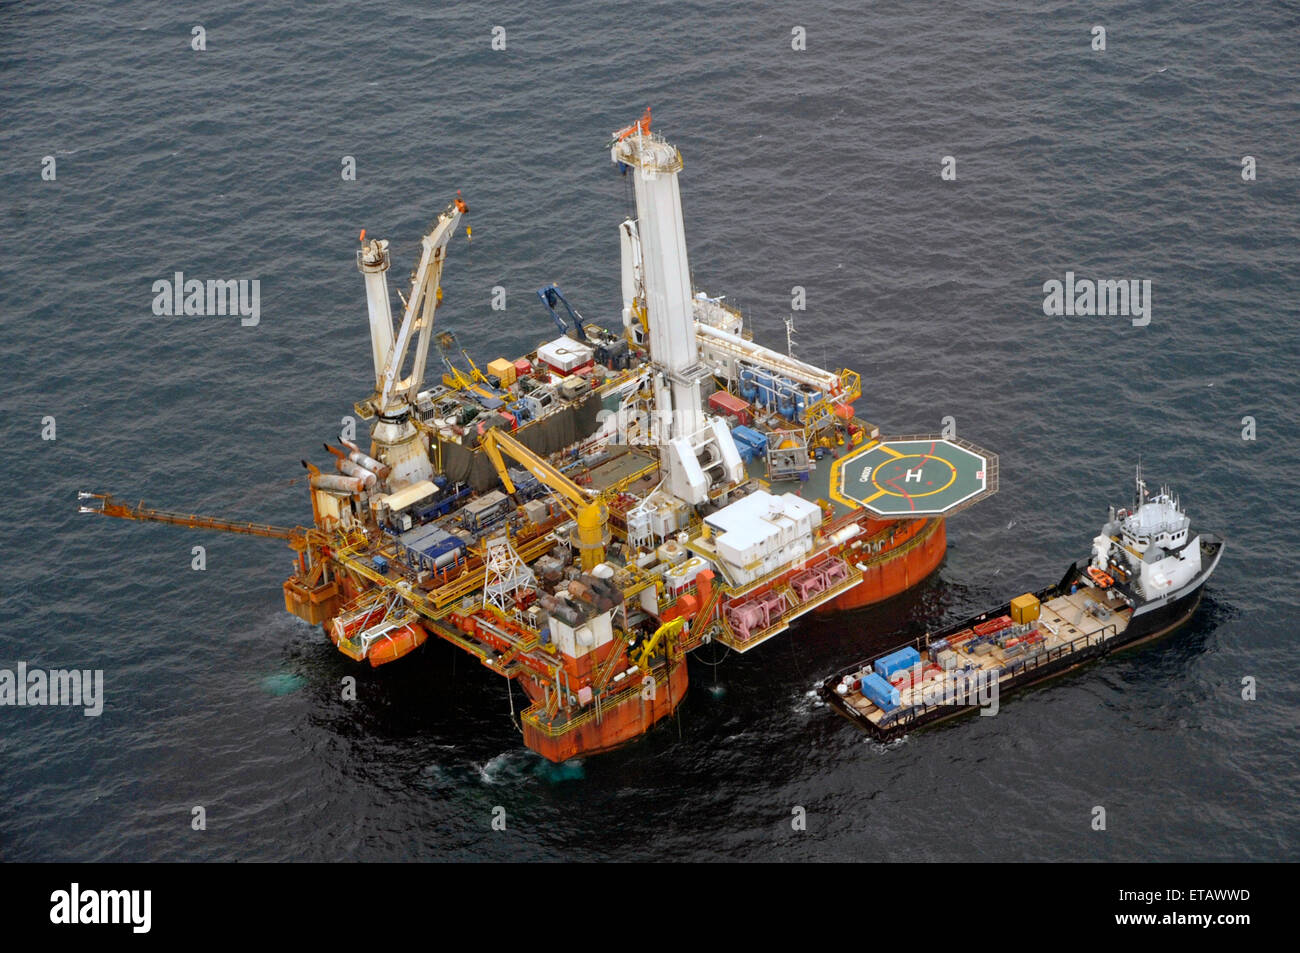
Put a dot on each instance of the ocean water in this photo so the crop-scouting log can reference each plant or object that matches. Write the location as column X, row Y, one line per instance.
column 818, row 168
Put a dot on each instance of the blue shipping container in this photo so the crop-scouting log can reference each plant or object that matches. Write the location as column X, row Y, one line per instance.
column 895, row 661
column 880, row 692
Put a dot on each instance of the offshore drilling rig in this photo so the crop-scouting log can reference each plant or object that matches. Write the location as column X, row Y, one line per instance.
column 580, row 518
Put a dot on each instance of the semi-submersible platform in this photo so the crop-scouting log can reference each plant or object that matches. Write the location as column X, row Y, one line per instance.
column 579, row 519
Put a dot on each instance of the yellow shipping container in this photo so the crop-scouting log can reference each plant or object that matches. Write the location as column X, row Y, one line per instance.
column 504, row 370
column 1024, row 608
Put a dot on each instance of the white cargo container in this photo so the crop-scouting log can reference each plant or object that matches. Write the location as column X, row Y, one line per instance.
column 681, row 576
column 564, row 354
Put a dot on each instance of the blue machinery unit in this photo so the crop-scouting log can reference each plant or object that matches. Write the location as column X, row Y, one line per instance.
column 749, row 442
column 897, row 661
column 880, row 692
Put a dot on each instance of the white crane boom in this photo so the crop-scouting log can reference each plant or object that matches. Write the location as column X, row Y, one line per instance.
column 417, row 319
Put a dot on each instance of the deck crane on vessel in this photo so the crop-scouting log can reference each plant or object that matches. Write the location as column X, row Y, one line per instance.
column 663, row 635
column 397, row 442
column 551, row 296
column 591, row 515
column 474, row 372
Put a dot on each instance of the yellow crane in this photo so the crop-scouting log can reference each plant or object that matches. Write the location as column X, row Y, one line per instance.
column 591, row 515
column 475, row 373
column 455, row 377
column 665, row 633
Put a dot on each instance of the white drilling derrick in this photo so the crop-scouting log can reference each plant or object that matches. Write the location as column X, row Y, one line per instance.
column 395, row 439
column 698, row 453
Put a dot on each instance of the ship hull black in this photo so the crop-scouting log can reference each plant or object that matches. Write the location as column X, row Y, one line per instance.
column 1158, row 622
column 1143, row 627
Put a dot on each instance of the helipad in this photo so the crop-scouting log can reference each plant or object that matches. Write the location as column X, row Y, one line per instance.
column 914, row 476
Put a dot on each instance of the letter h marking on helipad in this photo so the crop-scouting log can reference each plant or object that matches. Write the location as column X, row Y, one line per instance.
column 913, row 475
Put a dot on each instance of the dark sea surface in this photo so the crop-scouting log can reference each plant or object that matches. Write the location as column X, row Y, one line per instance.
column 817, row 168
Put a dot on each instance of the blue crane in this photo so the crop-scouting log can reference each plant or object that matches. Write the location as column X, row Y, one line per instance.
column 551, row 296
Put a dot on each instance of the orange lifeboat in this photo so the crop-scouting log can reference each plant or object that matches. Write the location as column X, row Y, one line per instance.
column 1100, row 578
column 393, row 645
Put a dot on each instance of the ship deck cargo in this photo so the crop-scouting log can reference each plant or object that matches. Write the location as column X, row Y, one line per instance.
column 972, row 664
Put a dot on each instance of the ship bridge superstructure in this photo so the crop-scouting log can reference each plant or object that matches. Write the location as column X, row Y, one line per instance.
column 1159, row 523
column 1149, row 550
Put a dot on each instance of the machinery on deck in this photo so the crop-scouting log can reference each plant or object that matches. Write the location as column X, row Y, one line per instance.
column 581, row 517
column 551, row 296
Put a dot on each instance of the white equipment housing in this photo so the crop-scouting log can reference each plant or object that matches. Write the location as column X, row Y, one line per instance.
column 577, row 641
column 759, row 533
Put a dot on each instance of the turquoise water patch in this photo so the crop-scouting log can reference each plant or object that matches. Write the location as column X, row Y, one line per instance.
column 282, row 683
column 556, row 773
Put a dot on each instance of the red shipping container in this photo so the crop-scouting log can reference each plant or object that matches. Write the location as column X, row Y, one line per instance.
column 729, row 405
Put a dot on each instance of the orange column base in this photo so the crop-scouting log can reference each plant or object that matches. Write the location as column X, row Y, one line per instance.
column 618, row 724
column 890, row 577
